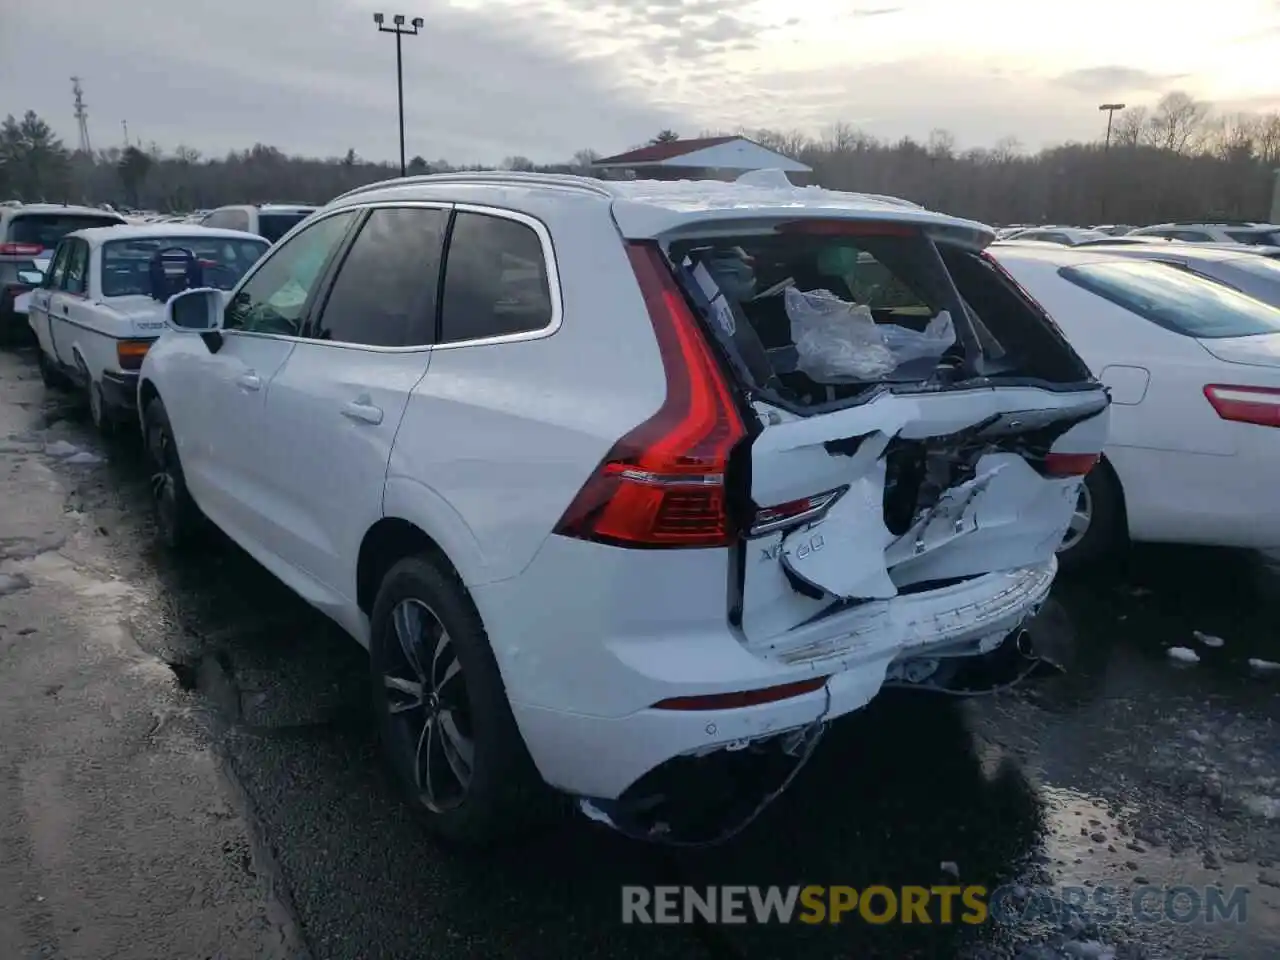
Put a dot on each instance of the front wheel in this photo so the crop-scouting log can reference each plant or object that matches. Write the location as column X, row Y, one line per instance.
column 443, row 716
column 177, row 515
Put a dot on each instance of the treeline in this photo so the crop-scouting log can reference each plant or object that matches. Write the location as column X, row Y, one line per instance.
column 1175, row 160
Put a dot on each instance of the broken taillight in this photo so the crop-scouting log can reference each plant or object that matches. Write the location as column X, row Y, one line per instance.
column 1256, row 405
column 663, row 483
column 769, row 519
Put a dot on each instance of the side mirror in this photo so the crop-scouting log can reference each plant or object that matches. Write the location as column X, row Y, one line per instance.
column 31, row 278
column 195, row 311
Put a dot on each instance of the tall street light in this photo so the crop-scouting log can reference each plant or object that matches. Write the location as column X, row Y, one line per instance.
column 1111, row 109
column 400, row 30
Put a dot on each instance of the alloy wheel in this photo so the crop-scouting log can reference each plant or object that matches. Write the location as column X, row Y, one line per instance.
column 164, row 484
column 1081, row 518
column 427, row 702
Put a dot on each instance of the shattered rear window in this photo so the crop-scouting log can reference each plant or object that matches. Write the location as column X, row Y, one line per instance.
column 822, row 315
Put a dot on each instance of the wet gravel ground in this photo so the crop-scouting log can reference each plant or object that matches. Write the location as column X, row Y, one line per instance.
column 1130, row 769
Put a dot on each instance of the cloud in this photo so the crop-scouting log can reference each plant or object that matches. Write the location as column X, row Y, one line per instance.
column 314, row 76
column 1115, row 79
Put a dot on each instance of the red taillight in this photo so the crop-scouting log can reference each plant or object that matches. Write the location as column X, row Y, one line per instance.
column 1256, row 405
column 662, row 485
column 1069, row 464
column 846, row 228
column 744, row 698
column 20, row 249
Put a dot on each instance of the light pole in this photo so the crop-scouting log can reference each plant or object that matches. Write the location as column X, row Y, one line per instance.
column 1111, row 109
column 400, row 30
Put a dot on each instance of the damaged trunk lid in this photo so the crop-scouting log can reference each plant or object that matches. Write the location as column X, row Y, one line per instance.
column 918, row 420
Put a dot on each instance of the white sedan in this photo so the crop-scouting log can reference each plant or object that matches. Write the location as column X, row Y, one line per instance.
column 99, row 305
column 1193, row 367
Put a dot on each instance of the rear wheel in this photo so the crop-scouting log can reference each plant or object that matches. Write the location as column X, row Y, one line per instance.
column 177, row 515
column 50, row 374
column 443, row 717
column 1097, row 525
column 99, row 413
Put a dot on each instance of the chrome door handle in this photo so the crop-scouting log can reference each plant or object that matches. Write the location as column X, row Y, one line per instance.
column 362, row 412
column 249, row 381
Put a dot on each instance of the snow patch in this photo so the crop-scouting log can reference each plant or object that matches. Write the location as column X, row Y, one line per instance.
column 1208, row 639
column 1183, row 655
column 1264, row 666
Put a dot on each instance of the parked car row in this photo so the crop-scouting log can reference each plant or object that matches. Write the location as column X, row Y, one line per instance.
column 1247, row 232
column 617, row 482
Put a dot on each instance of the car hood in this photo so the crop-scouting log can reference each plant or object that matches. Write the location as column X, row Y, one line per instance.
column 1261, row 350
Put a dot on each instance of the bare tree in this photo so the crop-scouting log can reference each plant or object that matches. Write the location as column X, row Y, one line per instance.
column 1178, row 121
column 1130, row 127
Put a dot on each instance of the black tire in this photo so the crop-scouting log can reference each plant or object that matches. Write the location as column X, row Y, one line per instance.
column 177, row 517
column 53, row 378
column 101, row 415
column 1106, row 534
column 504, row 795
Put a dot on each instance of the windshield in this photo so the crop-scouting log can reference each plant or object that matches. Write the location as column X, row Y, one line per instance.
column 273, row 226
column 1255, row 238
column 1175, row 299
column 126, row 264
column 47, row 229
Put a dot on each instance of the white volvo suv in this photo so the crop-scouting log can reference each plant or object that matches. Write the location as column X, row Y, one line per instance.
column 623, row 482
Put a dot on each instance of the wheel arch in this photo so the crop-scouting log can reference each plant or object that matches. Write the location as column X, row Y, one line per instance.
column 387, row 542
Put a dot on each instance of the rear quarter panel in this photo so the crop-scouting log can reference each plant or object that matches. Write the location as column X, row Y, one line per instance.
column 498, row 438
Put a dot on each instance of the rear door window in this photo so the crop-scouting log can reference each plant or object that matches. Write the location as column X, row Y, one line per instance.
column 385, row 292
column 58, row 266
column 273, row 226
column 1190, row 236
column 47, row 229
column 76, row 278
column 495, row 279
column 1176, row 300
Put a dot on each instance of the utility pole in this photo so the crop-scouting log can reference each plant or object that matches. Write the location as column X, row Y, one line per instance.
column 1111, row 110
column 124, row 125
column 400, row 30
column 82, row 116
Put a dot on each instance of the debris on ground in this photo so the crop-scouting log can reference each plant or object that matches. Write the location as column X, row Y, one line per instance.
column 1208, row 639
column 1183, row 655
column 1263, row 666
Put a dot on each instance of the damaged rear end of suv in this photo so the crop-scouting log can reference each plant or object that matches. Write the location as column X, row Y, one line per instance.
column 871, row 448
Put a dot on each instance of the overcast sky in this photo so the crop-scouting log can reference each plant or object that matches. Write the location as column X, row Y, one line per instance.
column 542, row 78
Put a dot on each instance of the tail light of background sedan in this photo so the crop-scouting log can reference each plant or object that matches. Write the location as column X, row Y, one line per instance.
column 1256, row 405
